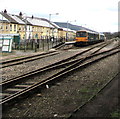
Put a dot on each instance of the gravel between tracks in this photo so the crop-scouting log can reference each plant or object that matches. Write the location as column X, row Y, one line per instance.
column 61, row 99
column 20, row 69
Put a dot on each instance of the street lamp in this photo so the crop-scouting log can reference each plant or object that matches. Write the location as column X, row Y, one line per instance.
column 25, row 20
column 25, row 31
column 50, row 20
column 67, row 28
column 49, row 25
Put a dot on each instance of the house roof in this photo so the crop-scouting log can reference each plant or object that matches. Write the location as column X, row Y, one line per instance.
column 52, row 23
column 24, row 19
column 14, row 18
column 17, row 19
column 39, row 22
column 8, row 17
column 72, row 27
column 4, row 21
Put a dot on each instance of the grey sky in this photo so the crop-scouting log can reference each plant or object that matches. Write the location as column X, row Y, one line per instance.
column 100, row 15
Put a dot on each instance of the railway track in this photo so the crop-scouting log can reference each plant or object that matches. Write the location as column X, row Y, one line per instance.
column 23, row 84
column 27, row 59
column 52, row 66
column 17, row 61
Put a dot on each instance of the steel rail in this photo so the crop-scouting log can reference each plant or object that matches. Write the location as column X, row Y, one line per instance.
column 58, row 75
column 26, row 59
column 31, row 58
column 49, row 67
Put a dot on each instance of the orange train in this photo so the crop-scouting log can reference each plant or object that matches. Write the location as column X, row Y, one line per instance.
column 88, row 37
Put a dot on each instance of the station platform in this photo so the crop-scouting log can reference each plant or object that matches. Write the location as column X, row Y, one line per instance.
column 70, row 42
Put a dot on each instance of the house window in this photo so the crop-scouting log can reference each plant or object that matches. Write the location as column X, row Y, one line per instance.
column 32, row 28
column 14, row 27
column 29, row 28
column 1, row 27
column 7, row 27
column 10, row 27
column 19, row 28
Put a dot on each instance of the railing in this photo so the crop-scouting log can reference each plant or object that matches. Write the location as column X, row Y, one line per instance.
column 38, row 44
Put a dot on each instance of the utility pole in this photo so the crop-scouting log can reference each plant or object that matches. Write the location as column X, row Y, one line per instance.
column 25, row 32
column 49, row 26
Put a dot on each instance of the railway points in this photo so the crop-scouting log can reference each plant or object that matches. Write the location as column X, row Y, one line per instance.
column 57, row 69
column 62, row 68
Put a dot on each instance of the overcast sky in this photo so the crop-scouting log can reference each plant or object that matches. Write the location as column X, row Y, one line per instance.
column 99, row 15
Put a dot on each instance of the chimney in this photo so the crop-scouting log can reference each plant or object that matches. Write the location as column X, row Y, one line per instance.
column 20, row 14
column 5, row 11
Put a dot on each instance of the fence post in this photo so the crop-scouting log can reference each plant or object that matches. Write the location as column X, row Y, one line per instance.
column 56, row 41
column 32, row 45
column 43, row 43
column 52, row 40
column 39, row 43
column 48, row 42
column 19, row 46
column 24, row 45
column 27, row 47
column 35, row 44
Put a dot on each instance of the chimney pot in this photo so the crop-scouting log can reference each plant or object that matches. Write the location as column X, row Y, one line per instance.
column 5, row 11
column 20, row 14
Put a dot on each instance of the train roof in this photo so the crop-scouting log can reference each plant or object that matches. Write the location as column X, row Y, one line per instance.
column 88, row 31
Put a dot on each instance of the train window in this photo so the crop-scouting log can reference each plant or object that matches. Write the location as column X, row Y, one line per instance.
column 81, row 34
column 90, row 36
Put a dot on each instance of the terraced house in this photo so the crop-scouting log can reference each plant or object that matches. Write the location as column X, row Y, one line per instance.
column 41, row 28
column 26, row 27
column 15, row 25
column 7, row 24
column 31, row 27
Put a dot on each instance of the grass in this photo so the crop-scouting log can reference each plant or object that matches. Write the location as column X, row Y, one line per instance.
column 115, row 113
column 6, row 53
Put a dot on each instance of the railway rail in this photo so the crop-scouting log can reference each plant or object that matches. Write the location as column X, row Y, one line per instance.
column 27, row 59
column 49, row 67
column 17, row 61
column 16, row 87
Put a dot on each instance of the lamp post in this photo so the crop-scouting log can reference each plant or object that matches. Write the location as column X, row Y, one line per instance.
column 25, row 31
column 67, row 28
column 50, row 20
column 49, row 25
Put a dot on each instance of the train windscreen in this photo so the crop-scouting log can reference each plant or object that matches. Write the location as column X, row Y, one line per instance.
column 81, row 34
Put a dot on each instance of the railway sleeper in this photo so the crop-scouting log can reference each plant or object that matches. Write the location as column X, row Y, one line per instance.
column 21, row 86
column 3, row 95
column 13, row 90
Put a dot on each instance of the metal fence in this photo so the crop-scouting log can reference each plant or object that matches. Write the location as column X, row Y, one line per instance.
column 38, row 44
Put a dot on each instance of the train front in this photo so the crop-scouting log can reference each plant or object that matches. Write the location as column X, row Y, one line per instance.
column 81, row 37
